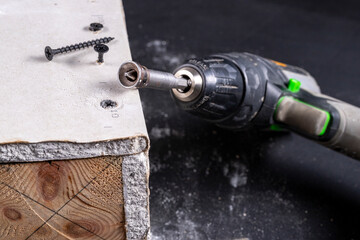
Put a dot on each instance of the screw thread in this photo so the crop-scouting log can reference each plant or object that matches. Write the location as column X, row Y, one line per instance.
column 101, row 58
column 82, row 45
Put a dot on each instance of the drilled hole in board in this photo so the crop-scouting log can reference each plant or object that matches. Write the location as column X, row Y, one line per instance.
column 106, row 104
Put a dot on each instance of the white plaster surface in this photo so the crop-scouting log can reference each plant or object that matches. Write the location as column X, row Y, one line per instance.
column 43, row 101
column 31, row 152
column 135, row 169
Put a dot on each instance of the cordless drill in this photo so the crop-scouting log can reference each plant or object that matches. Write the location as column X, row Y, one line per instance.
column 242, row 90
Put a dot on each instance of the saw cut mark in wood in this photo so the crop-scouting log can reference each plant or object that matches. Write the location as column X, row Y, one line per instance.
column 16, row 216
column 77, row 199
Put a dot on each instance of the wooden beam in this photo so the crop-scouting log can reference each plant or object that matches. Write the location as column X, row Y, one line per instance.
column 77, row 199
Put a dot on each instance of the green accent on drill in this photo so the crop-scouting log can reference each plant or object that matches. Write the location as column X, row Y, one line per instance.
column 294, row 85
column 326, row 124
column 328, row 116
column 276, row 127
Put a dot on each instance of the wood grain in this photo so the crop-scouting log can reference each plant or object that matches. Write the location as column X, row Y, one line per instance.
column 74, row 199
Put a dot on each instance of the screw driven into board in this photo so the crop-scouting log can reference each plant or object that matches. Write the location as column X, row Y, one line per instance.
column 94, row 27
column 101, row 49
column 50, row 53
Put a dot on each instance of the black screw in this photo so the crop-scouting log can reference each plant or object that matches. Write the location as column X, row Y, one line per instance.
column 50, row 53
column 95, row 27
column 101, row 49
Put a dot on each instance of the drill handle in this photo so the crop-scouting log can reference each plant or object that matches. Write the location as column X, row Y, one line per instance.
column 347, row 137
column 329, row 121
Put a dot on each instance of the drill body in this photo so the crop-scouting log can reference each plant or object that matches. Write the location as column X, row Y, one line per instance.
column 242, row 90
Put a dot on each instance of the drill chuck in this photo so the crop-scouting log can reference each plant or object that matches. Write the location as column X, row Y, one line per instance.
column 134, row 75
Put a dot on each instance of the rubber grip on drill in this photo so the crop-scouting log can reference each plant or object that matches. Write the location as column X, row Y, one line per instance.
column 303, row 117
column 347, row 137
column 314, row 121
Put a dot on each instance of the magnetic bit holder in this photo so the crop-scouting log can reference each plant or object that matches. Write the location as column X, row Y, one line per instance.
column 134, row 75
column 50, row 53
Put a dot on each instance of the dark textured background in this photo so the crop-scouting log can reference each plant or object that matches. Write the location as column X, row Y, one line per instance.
column 210, row 183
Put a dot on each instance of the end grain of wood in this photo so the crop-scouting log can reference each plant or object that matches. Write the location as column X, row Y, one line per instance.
column 75, row 199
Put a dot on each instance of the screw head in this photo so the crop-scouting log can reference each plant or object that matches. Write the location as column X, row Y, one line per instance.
column 101, row 48
column 49, row 53
column 95, row 27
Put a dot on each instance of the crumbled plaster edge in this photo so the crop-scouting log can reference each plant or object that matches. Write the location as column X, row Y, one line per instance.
column 135, row 172
column 60, row 150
